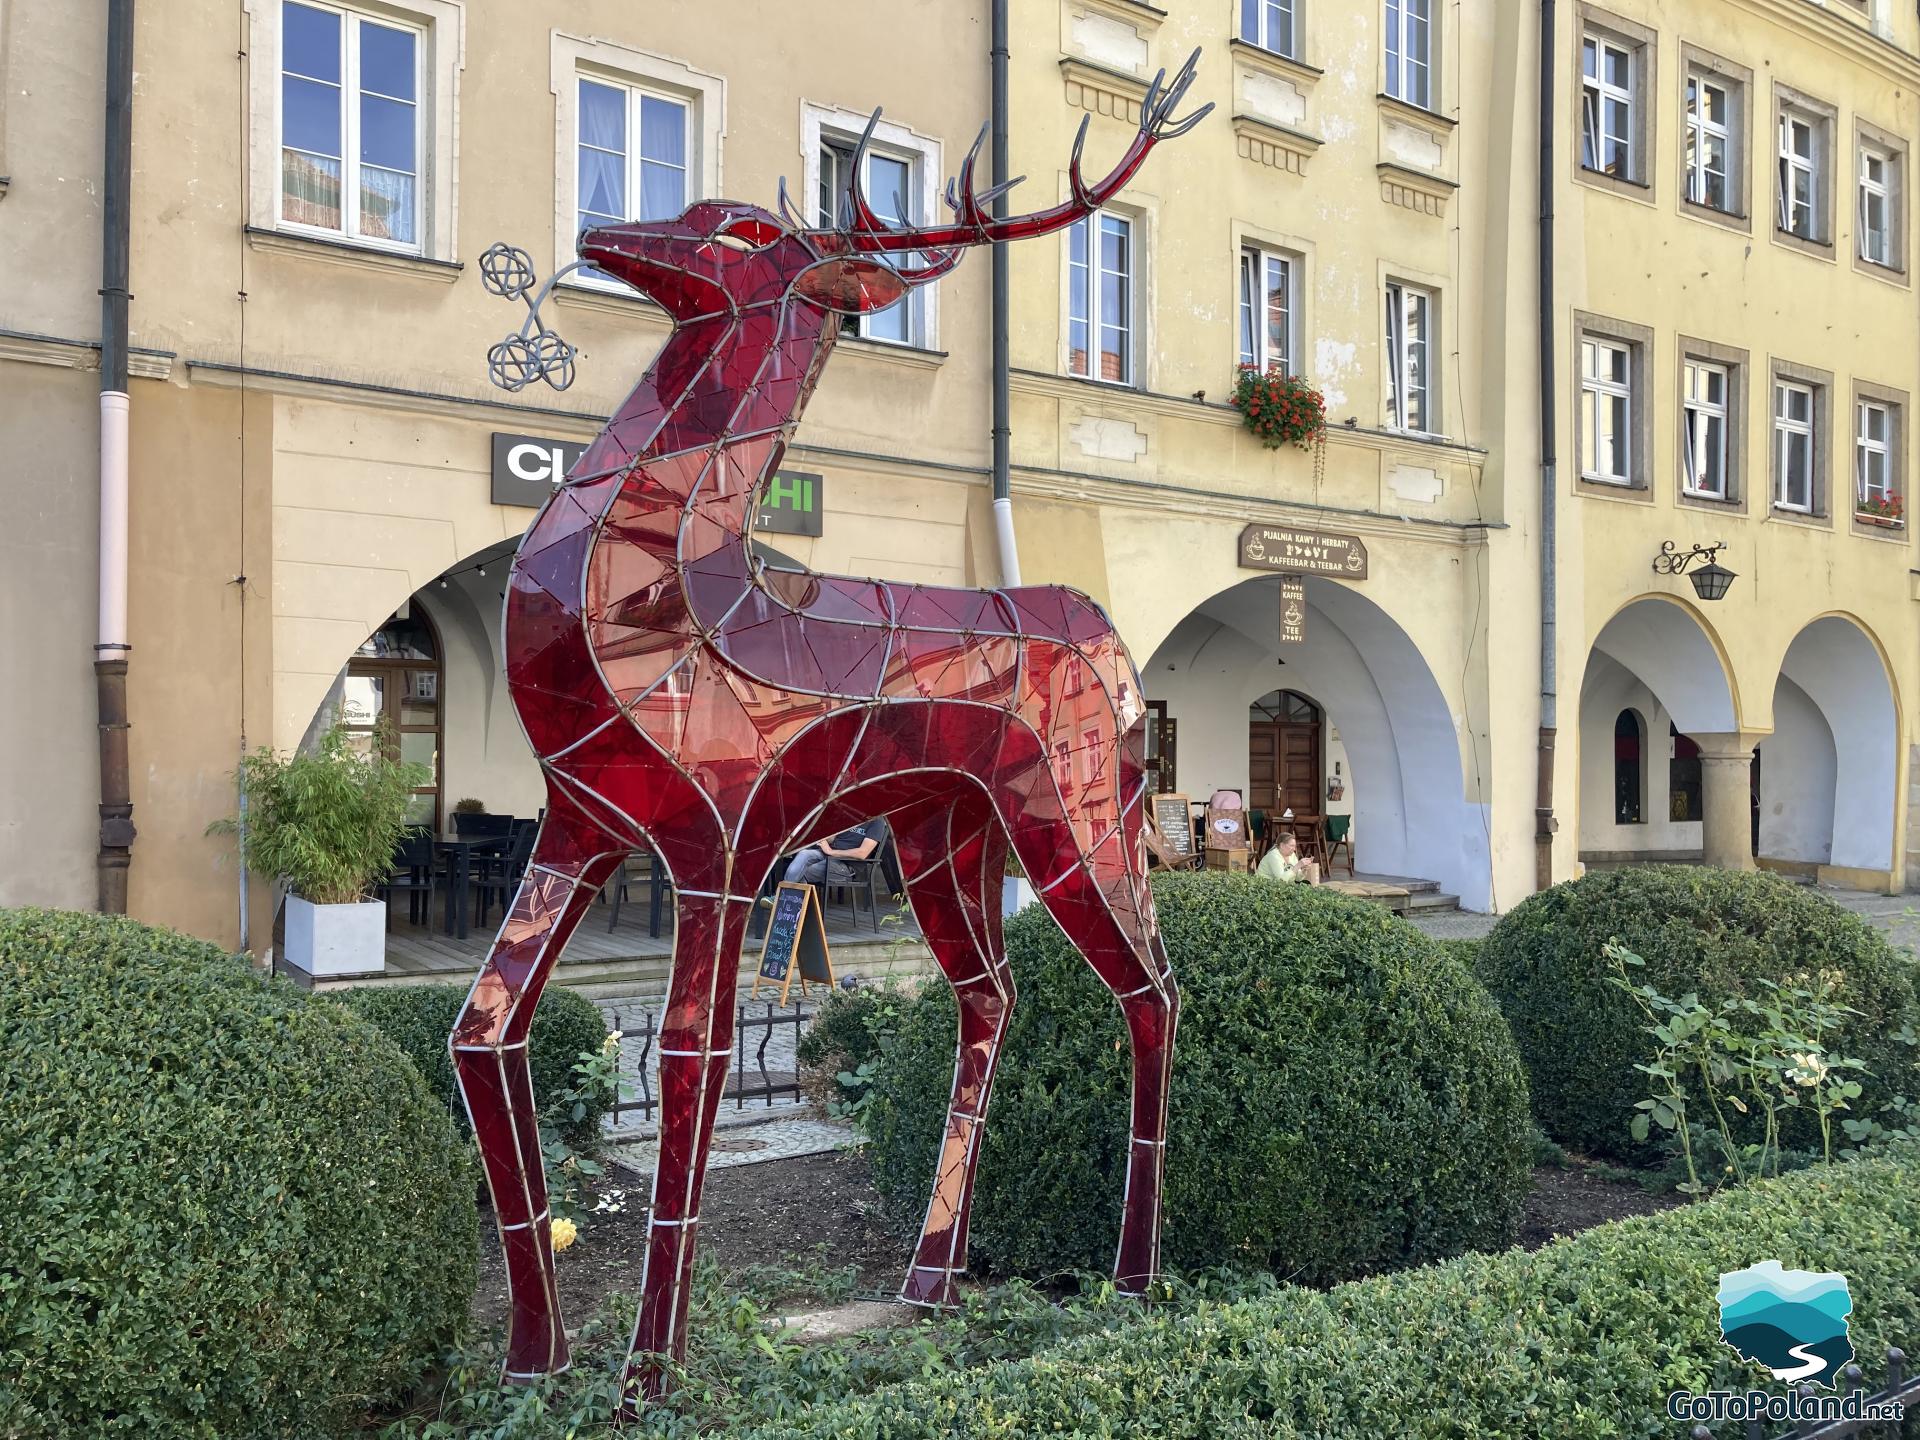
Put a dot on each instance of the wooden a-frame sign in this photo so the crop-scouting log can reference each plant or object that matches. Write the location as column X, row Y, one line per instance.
column 796, row 938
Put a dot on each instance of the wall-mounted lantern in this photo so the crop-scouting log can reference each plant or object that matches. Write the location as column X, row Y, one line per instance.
column 1710, row 581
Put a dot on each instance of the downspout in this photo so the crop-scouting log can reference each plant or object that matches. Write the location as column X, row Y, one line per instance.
column 110, row 653
column 1544, row 823
column 1002, row 398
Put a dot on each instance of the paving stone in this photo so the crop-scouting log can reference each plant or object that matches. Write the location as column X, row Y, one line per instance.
column 783, row 1139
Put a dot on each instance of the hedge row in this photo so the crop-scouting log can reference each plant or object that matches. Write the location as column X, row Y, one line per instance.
column 1583, row 1340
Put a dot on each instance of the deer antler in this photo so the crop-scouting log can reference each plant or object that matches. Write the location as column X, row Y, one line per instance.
column 973, row 225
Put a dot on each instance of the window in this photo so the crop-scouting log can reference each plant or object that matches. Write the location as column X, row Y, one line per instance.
column 1268, row 24
column 632, row 153
column 1266, row 310
column 890, row 188
column 1628, row 792
column 1709, row 142
column 1793, row 431
column 1800, row 175
column 1100, row 279
column 1684, row 800
column 1409, row 51
column 1606, row 107
column 1409, row 345
column 1876, row 205
column 1873, row 457
column 1706, row 398
column 350, row 124
column 1606, row 411
column 393, row 682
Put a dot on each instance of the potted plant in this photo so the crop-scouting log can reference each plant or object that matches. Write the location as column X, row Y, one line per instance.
column 1281, row 409
column 469, row 806
column 1883, row 510
column 327, row 823
column 1016, row 891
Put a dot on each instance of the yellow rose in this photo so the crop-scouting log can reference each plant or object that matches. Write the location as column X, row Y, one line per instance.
column 565, row 1232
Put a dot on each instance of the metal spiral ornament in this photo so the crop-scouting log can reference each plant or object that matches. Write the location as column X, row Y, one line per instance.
column 534, row 352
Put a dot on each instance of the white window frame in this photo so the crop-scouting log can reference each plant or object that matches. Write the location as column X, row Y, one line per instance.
column 1865, row 448
column 1697, row 416
column 907, row 312
column 1259, row 19
column 1789, row 163
column 440, row 56
column 1700, row 129
column 573, row 58
column 1883, row 189
column 1596, row 90
column 1403, row 300
column 1408, row 72
column 634, row 94
column 841, row 127
column 1596, row 391
column 1093, row 226
column 1253, row 287
column 1785, row 430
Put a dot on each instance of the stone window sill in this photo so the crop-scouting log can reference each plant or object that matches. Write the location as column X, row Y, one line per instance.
column 348, row 252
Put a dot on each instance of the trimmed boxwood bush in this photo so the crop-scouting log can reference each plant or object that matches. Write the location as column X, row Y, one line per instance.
column 229, row 1210
column 1582, row 1340
column 418, row 1018
column 1345, row 1098
column 1699, row 929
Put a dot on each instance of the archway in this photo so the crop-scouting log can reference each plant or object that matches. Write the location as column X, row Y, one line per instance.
column 1399, row 745
column 1654, row 667
column 1830, row 770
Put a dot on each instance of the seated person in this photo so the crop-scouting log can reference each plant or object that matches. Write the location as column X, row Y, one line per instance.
column 820, row 864
column 1284, row 862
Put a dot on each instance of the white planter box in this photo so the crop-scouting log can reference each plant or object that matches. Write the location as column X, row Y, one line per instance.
column 337, row 939
column 1015, row 894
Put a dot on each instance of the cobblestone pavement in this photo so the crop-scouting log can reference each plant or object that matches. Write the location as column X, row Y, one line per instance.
column 799, row 1134
column 628, row 1016
column 1898, row 915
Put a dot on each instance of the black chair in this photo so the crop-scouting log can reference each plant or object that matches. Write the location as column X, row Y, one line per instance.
column 499, row 874
column 416, row 874
column 659, row 887
column 862, row 875
column 481, row 825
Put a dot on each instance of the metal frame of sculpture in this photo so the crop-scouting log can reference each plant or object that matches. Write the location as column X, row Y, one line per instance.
column 683, row 696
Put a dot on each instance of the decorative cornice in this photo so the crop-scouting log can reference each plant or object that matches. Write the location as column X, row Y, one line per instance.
column 1103, row 91
column 605, row 300
column 1414, row 189
column 1258, row 57
column 913, row 356
column 1269, row 144
column 358, row 257
column 25, row 348
column 1848, row 37
column 1435, row 124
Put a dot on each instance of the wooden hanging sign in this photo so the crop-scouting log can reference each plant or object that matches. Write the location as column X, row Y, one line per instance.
column 1293, row 609
column 796, row 941
column 1302, row 552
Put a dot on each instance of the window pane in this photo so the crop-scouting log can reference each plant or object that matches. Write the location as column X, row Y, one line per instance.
column 889, row 187
column 1278, row 350
column 386, row 204
column 1078, row 343
column 420, row 701
column 387, row 60
column 603, row 117
column 1250, row 20
column 1279, row 27
column 663, row 191
column 309, row 189
column 1248, row 307
column 603, row 185
column 310, row 116
column 310, row 42
column 387, row 133
column 1619, row 68
column 361, row 697
column 663, row 130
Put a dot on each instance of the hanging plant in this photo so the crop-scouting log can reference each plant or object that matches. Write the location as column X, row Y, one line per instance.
column 1281, row 409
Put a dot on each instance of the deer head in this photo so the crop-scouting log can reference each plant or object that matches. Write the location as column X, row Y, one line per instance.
column 719, row 254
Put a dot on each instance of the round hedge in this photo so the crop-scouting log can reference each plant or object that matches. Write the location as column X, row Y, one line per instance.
column 419, row 1018
column 1699, row 929
column 1345, row 1097
column 229, row 1210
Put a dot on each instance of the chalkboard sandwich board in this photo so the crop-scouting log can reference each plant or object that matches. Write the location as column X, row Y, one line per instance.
column 1172, row 817
column 796, row 937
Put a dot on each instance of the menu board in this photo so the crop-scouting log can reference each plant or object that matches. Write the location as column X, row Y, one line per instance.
column 796, row 936
column 1173, row 818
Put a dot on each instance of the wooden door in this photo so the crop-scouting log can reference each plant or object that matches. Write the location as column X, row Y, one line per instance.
column 1263, row 767
column 1299, row 767
column 1283, row 755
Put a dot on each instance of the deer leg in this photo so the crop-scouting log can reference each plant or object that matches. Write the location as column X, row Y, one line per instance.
column 696, row 1045
column 949, row 859
column 489, row 1043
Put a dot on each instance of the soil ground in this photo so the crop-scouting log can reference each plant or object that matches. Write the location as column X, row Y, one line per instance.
column 821, row 1213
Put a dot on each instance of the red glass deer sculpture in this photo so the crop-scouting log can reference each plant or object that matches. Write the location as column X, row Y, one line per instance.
column 683, row 696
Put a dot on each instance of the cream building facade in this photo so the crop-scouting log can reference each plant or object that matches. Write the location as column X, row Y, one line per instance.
column 326, row 490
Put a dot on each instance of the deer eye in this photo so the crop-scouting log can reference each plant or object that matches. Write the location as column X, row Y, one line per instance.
column 748, row 233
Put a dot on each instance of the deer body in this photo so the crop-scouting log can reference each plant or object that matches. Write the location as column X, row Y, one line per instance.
column 683, row 697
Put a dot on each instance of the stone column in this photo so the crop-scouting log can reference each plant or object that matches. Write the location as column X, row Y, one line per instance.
column 1726, row 795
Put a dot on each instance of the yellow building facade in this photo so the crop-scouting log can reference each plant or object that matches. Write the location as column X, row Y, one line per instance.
column 326, row 491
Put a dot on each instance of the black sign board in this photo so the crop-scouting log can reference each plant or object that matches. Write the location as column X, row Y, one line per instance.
column 1293, row 609
column 796, row 934
column 1302, row 552
column 529, row 468
column 794, row 504
column 1173, row 818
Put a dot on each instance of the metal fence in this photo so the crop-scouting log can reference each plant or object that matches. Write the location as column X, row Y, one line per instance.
column 754, row 1027
column 1900, row 1389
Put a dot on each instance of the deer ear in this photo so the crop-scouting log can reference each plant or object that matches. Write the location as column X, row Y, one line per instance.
column 850, row 284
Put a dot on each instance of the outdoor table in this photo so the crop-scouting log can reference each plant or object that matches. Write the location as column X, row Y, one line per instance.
column 460, row 853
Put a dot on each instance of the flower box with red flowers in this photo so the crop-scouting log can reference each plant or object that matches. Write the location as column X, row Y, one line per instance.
column 1281, row 409
column 1884, row 510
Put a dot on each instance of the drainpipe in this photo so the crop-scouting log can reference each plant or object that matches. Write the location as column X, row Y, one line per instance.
column 110, row 653
column 1544, row 823
column 1002, row 398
